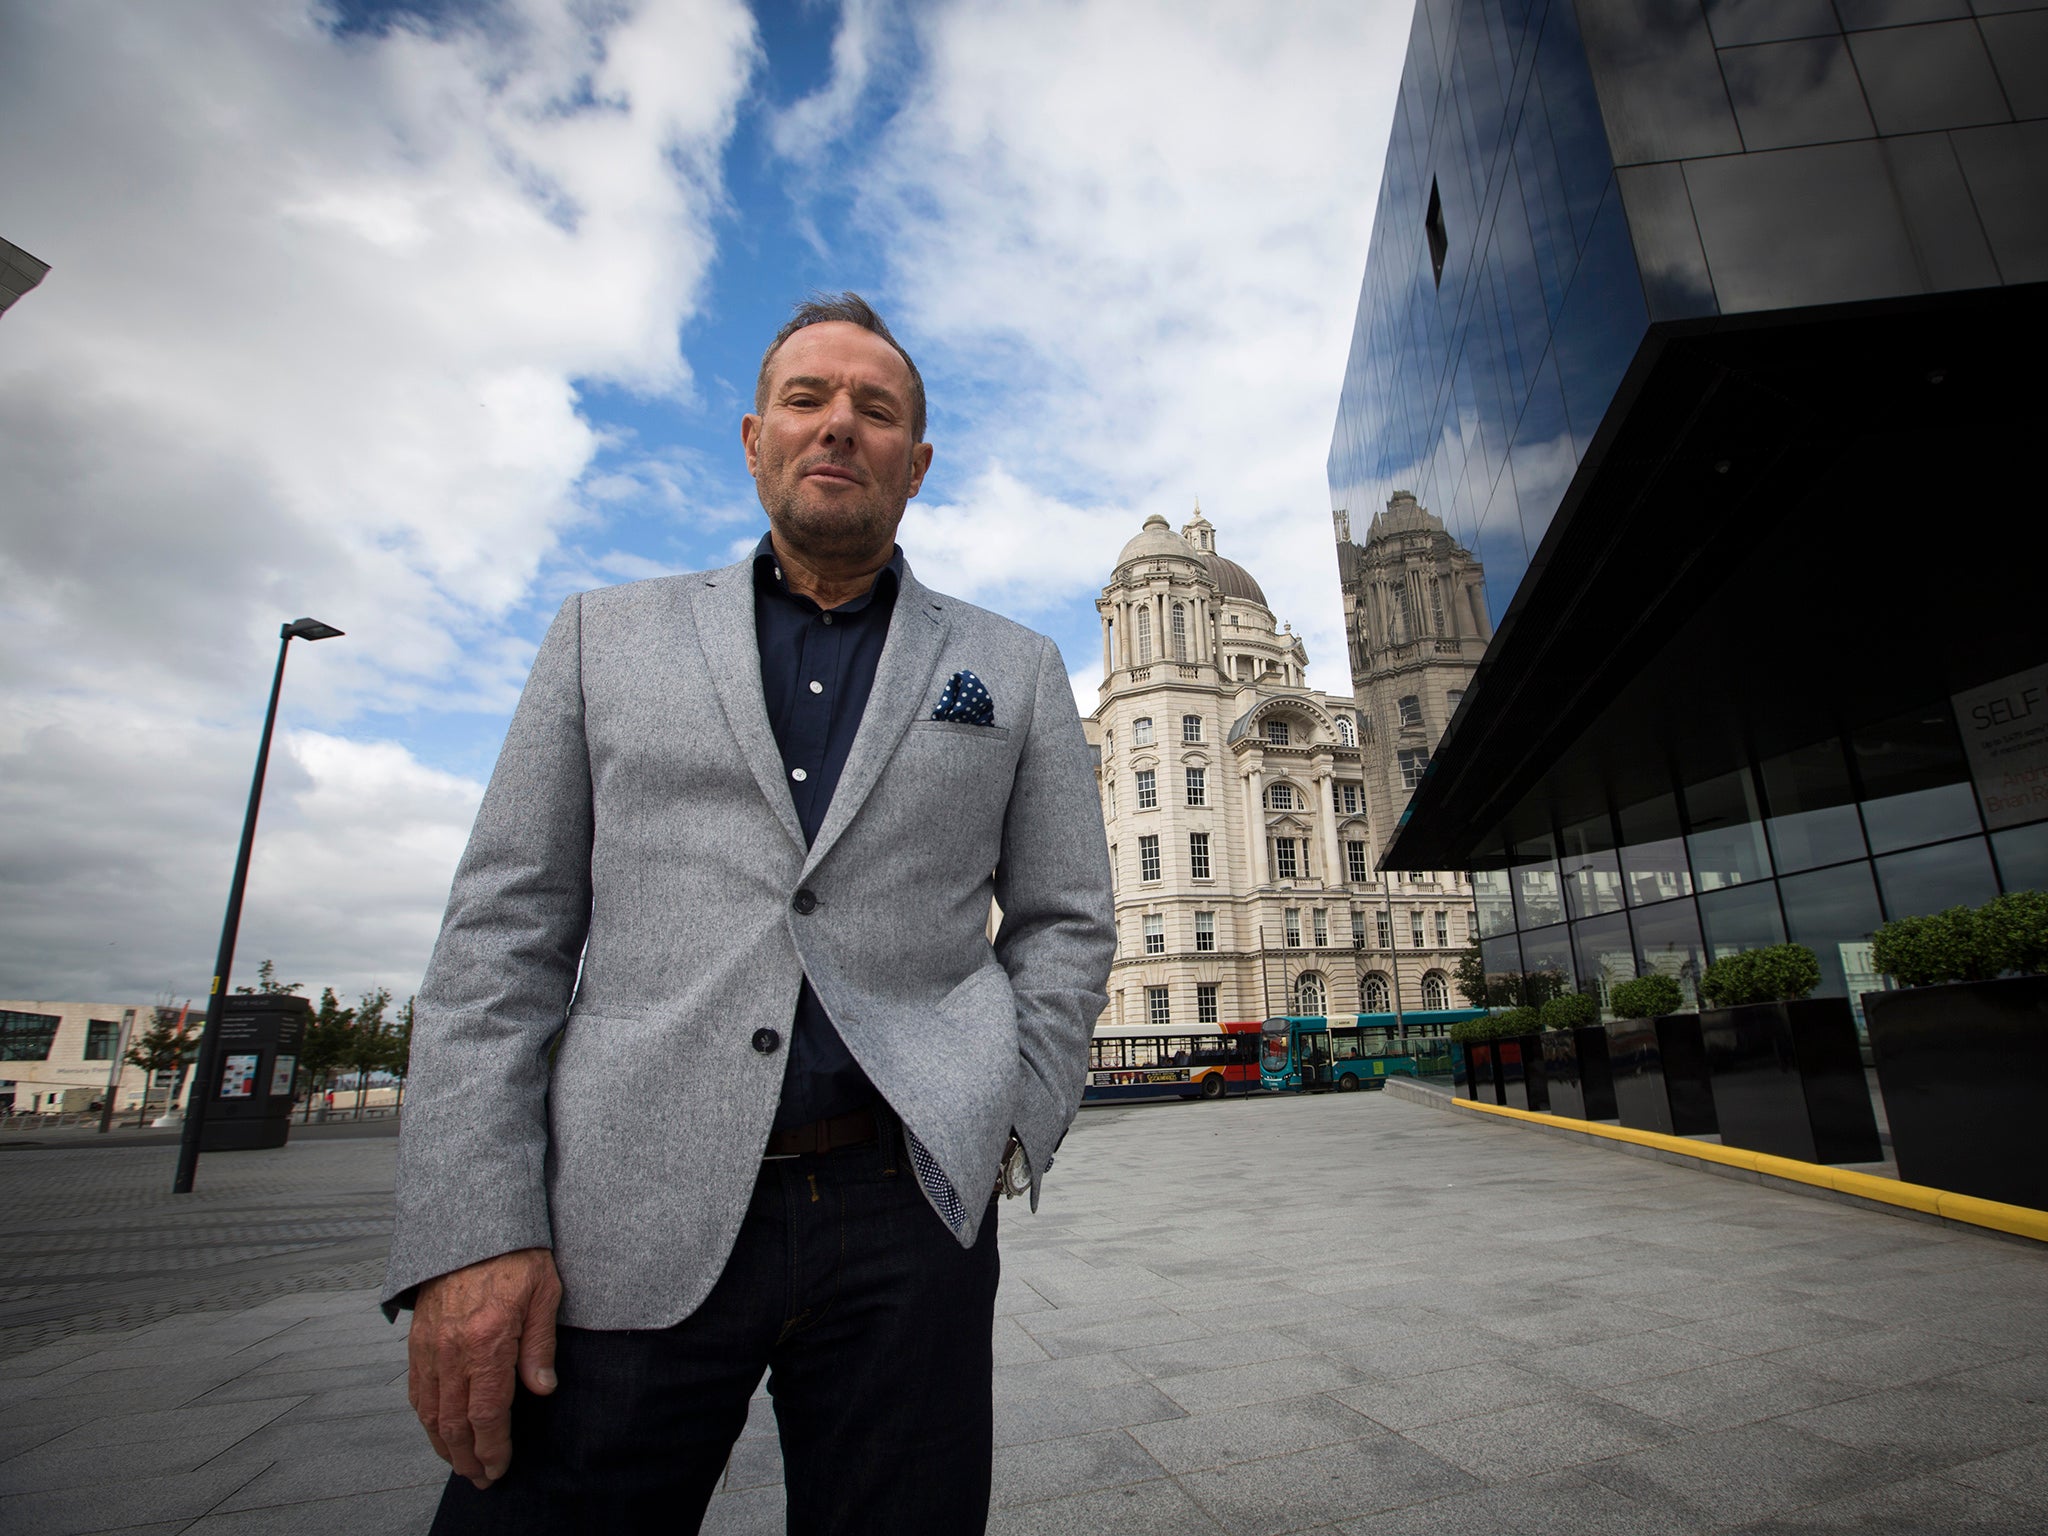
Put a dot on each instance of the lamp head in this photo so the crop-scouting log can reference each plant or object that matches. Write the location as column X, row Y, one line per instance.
column 308, row 629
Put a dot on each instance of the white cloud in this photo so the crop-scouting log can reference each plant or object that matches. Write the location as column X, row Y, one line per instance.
column 1129, row 234
column 317, row 313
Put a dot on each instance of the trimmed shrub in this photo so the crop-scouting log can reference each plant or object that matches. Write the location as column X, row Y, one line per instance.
column 1470, row 1031
column 2007, row 933
column 1570, row 1010
column 1515, row 1021
column 1779, row 973
column 1647, row 997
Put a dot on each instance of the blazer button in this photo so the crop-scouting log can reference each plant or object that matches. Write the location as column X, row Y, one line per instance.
column 804, row 901
column 766, row 1040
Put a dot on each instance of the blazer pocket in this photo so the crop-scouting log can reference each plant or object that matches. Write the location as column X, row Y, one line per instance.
column 963, row 728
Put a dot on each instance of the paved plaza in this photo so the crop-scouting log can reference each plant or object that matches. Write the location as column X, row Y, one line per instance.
column 1346, row 1314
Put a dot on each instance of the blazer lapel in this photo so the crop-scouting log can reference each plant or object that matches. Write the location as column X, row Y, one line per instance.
column 903, row 687
column 722, row 609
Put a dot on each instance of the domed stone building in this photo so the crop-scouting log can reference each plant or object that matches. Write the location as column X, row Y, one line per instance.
column 1238, row 806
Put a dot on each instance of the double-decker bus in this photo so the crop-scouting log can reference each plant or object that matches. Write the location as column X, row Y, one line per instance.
column 1301, row 1053
column 1194, row 1061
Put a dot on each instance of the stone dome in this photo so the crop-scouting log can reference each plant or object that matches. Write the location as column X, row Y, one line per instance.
column 1233, row 580
column 1156, row 541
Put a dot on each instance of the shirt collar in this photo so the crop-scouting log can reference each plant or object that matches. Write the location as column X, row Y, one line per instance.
column 768, row 578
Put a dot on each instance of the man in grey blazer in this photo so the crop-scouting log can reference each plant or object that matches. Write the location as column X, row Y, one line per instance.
column 715, row 1067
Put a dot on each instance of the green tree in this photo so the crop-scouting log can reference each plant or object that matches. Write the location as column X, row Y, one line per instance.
column 164, row 1047
column 399, row 1061
column 368, row 1047
column 267, row 984
column 326, row 1044
column 1469, row 977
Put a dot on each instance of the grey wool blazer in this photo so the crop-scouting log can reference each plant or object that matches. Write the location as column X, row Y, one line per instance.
column 624, row 919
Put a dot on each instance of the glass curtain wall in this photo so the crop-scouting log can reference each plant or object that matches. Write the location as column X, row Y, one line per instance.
column 1817, row 845
column 1502, row 301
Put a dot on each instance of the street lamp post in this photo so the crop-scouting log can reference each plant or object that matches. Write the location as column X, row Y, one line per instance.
column 208, row 1064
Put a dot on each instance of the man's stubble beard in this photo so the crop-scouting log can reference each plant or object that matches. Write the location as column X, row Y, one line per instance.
column 838, row 534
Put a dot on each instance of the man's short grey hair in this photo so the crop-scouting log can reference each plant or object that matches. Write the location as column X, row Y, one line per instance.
column 854, row 310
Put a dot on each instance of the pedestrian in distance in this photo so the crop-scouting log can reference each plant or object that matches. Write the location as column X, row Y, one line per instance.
column 715, row 1068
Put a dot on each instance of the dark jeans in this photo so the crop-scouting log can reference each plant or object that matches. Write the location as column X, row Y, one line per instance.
column 874, row 1325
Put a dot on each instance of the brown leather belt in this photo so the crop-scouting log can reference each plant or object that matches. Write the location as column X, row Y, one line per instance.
column 854, row 1130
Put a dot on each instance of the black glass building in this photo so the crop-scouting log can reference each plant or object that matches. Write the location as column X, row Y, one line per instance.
column 1715, row 328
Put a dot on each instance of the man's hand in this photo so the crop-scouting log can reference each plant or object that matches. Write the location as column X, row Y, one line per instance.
column 471, row 1329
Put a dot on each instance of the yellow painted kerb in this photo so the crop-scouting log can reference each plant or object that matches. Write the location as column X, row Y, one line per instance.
column 2019, row 1220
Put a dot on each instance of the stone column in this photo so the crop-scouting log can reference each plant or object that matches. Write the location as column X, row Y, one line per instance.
column 1255, row 824
column 1334, row 869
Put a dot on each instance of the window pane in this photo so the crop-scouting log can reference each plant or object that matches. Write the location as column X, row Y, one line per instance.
column 1605, row 953
column 1726, row 842
column 1668, row 944
column 1190, row 727
column 1491, row 893
column 1833, row 912
column 1539, row 900
column 1741, row 917
column 1813, row 820
column 1656, row 871
column 1502, row 958
column 1548, row 952
column 1915, row 781
column 1933, row 879
column 2023, row 857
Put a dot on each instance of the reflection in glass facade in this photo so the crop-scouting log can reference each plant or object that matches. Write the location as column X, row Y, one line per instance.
column 1695, row 324
column 1710, row 890
column 1502, row 302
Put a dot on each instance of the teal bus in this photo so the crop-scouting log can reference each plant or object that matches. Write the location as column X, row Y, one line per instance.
column 1312, row 1053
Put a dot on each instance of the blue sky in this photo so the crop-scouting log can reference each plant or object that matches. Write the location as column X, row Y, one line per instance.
column 419, row 318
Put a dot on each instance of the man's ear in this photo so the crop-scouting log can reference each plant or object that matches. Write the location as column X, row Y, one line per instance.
column 920, row 465
column 750, row 440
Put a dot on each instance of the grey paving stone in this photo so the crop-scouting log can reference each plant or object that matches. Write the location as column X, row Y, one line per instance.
column 1569, row 1503
column 1740, row 1391
column 1930, row 1425
column 2022, row 1376
column 1454, row 1394
column 249, row 1385
column 120, row 1502
column 1102, row 1338
column 756, row 1462
column 1921, row 1506
column 1889, row 1357
column 1054, row 1416
column 1250, row 1432
column 1540, row 1437
column 1633, row 1357
column 1213, row 1351
column 387, row 1512
column 1322, row 1486
column 1743, row 1475
column 223, row 1423
column 1013, row 1346
column 1459, row 1515
column 752, row 1512
column 1139, row 1509
column 1050, row 1469
column 2020, row 1474
column 1765, row 1330
column 1233, row 1386
column 1076, row 1373
column 336, row 1457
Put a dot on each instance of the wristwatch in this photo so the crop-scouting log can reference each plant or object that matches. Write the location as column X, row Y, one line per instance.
column 1014, row 1177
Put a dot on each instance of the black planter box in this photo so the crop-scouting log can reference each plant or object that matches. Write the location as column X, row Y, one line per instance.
column 1523, row 1085
column 1660, row 1075
column 1482, row 1061
column 1788, row 1080
column 1964, row 1070
column 1577, row 1079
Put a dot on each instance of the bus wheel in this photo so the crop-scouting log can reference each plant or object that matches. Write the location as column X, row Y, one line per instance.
column 1347, row 1084
column 1212, row 1086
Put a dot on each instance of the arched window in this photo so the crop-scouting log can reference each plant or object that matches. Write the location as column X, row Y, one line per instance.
column 1280, row 797
column 1436, row 990
column 1309, row 994
column 1373, row 994
column 1346, row 736
column 1144, row 637
column 1180, row 631
column 1277, row 733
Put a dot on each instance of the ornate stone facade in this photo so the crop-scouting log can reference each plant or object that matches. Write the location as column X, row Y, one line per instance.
column 1239, row 807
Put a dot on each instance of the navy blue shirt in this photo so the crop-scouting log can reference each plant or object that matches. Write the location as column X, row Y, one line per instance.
column 817, row 669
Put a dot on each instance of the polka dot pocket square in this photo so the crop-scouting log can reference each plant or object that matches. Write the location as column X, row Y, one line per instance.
column 966, row 701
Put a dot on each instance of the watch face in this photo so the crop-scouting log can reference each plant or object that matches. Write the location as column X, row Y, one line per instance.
column 1015, row 1178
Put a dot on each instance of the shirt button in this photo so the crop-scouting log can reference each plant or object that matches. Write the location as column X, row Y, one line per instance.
column 766, row 1041
column 798, row 774
column 826, row 617
column 817, row 687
